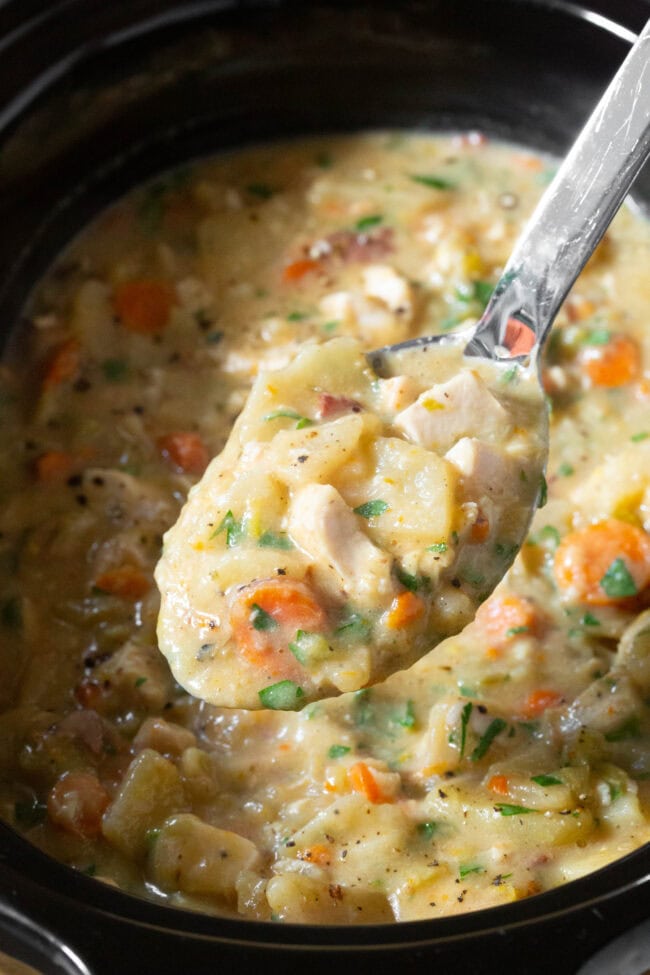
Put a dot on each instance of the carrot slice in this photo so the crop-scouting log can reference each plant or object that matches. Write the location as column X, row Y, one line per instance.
column 538, row 701
column 498, row 784
column 54, row 465
column 616, row 363
column 506, row 615
column 63, row 363
column 363, row 781
column 184, row 451
column 144, row 305
column 265, row 617
column 405, row 608
column 604, row 564
column 125, row 581
column 296, row 270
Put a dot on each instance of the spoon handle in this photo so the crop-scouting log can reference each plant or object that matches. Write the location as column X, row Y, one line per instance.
column 573, row 213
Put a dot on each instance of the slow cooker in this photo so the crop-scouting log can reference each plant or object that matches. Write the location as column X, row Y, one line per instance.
column 96, row 97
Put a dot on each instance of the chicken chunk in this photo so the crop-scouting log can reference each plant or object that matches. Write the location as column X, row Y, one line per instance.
column 322, row 524
column 448, row 411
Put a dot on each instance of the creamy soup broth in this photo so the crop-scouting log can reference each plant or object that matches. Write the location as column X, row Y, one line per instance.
column 510, row 759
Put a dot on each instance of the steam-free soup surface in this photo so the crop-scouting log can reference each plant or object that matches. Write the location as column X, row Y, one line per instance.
column 513, row 757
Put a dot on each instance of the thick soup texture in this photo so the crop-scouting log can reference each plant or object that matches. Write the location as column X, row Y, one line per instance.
column 511, row 758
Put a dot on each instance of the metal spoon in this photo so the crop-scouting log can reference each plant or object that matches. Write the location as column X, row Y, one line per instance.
column 565, row 228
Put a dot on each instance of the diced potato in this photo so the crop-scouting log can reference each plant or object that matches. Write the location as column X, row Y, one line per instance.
column 151, row 791
column 197, row 858
column 299, row 899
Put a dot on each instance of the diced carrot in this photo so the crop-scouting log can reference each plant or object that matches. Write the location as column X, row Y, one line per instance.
column 506, row 615
column 54, row 465
column 318, row 853
column 363, row 781
column 519, row 339
column 144, row 305
column 405, row 608
column 538, row 701
column 77, row 802
column 296, row 270
column 584, row 557
column 125, row 581
column 480, row 531
column 291, row 606
column 185, row 451
column 613, row 364
column 63, row 363
column 498, row 784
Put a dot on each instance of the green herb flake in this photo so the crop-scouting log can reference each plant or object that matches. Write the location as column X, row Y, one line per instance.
column 11, row 614
column 285, row 414
column 115, row 370
column 546, row 780
column 433, row 182
column 627, row 731
column 354, row 627
column 517, row 630
column 617, row 582
column 465, row 869
column 329, row 327
column 278, row 540
column 565, row 470
column 511, row 375
column 413, row 583
column 494, row 728
column 407, row 718
column 506, row 550
column 367, row 223
column 638, row 437
column 261, row 190
column 438, row 547
column 297, row 316
column 428, row 829
column 371, row 509
column 363, row 708
column 324, row 159
column 233, row 529
column 261, row 620
column 139, row 681
column 543, row 492
column 464, row 722
column 338, row 751
column 508, row 810
column 283, row 696
column 598, row 336
column 589, row 620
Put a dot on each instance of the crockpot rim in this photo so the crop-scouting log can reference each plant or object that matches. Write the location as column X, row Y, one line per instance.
column 54, row 876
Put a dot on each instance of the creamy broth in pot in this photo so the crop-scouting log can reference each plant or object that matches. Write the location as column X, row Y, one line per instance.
column 511, row 758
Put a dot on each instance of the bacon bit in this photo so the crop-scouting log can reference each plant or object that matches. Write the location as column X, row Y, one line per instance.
column 330, row 405
column 54, row 465
column 538, row 701
column 363, row 781
column 63, row 364
column 296, row 270
column 498, row 784
column 519, row 339
column 77, row 803
column 144, row 305
column 185, row 451
column 480, row 531
column 125, row 581
column 405, row 608
column 353, row 246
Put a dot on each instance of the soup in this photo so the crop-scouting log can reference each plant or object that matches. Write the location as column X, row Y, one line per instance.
column 511, row 758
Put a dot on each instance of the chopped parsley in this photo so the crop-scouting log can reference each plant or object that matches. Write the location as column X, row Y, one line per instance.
column 115, row 370
column 598, row 336
column 338, row 751
column 546, row 780
column 494, row 728
column 428, row 829
column 275, row 540
column 465, row 869
column 413, row 583
column 282, row 413
column 371, row 509
column 283, row 696
column 565, row 470
column 438, row 547
column 433, row 182
column 617, row 581
column 354, row 626
column 508, row 810
column 367, row 223
column 261, row 620
column 543, row 492
column 407, row 718
column 234, row 530
column 464, row 721
column 638, row 437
